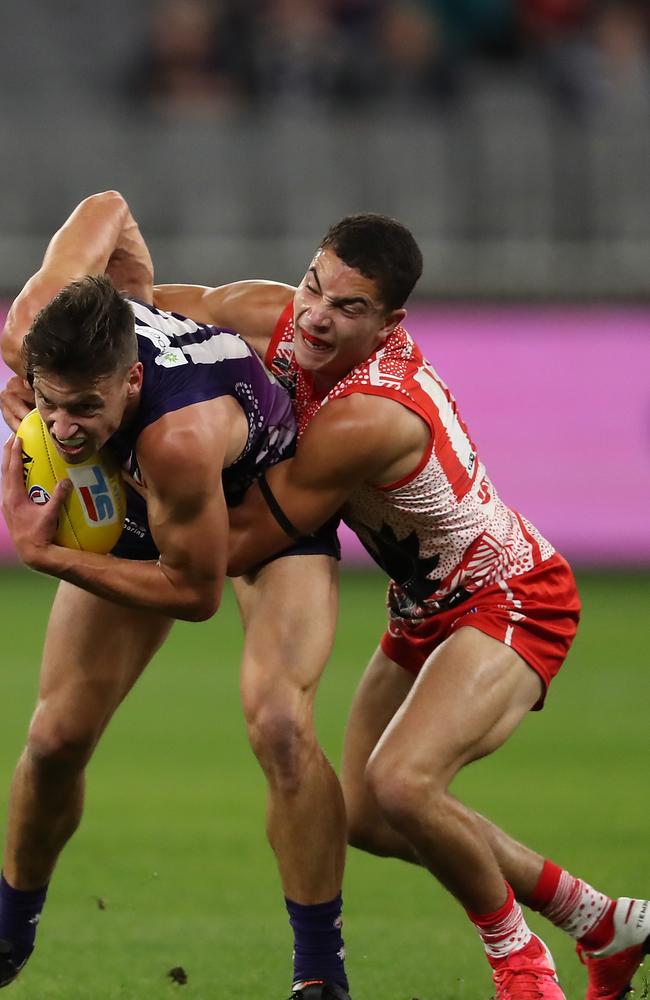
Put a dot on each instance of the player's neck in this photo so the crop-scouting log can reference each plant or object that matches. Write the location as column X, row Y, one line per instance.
column 130, row 410
column 323, row 383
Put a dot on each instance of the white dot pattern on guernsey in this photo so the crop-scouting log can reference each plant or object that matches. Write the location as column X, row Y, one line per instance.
column 448, row 513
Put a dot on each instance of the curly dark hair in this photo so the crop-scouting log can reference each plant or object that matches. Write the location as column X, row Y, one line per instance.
column 382, row 249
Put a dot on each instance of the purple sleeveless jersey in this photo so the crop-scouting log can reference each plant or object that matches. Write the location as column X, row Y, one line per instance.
column 187, row 362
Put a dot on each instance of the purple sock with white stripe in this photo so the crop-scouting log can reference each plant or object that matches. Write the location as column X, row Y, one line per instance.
column 318, row 943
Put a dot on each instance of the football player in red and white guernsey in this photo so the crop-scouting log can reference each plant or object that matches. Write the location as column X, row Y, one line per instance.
column 482, row 610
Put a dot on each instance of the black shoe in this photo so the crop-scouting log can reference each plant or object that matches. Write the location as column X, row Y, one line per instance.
column 319, row 990
column 10, row 966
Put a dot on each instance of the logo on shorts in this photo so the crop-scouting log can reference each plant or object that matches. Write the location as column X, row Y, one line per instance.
column 134, row 528
column 38, row 495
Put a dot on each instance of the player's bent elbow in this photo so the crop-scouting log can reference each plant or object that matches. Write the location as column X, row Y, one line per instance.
column 198, row 613
column 110, row 199
column 237, row 566
column 202, row 607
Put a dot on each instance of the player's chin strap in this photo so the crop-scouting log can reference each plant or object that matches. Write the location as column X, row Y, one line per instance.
column 275, row 508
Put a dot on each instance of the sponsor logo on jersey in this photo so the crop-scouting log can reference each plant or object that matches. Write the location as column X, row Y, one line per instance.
column 171, row 357
column 483, row 494
column 38, row 495
column 95, row 494
column 134, row 528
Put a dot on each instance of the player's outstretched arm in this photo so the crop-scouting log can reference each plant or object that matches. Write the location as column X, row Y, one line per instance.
column 252, row 308
column 187, row 514
column 100, row 235
column 356, row 440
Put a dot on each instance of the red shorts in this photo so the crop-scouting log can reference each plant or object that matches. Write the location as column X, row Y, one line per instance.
column 536, row 613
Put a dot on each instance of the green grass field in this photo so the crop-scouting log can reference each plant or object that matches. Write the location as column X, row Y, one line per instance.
column 171, row 866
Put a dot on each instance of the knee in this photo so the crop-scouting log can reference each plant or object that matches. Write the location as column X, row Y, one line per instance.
column 403, row 790
column 59, row 742
column 282, row 738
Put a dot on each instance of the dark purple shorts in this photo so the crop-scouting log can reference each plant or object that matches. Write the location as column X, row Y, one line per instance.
column 136, row 541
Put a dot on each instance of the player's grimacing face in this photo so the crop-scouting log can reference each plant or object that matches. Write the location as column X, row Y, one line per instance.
column 339, row 318
column 82, row 416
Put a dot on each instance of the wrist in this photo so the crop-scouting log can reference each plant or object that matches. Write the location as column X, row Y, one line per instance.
column 43, row 558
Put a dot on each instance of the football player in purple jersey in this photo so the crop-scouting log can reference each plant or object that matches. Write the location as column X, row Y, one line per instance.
column 194, row 416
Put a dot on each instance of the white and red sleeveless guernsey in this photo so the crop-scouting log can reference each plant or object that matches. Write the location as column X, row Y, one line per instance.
column 442, row 533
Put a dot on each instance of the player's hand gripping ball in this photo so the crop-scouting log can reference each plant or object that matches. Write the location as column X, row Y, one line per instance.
column 92, row 516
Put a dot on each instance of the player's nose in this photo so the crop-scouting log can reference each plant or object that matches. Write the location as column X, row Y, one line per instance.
column 62, row 427
column 319, row 315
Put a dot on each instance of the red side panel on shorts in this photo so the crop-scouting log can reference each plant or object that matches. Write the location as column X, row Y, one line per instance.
column 535, row 613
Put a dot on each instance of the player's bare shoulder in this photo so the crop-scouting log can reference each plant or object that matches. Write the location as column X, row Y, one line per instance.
column 388, row 437
column 184, row 447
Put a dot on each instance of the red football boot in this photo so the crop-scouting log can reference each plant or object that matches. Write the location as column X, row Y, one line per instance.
column 527, row 974
column 612, row 969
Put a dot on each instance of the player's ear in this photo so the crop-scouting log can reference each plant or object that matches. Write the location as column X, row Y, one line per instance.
column 135, row 378
column 391, row 321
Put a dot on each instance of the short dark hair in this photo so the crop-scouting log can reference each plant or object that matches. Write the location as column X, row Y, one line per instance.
column 87, row 331
column 382, row 249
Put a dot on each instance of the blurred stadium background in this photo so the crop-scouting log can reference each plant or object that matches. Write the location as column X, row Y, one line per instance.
column 512, row 137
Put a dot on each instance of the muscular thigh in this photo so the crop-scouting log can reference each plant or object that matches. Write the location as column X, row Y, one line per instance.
column 470, row 695
column 94, row 652
column 288, row 609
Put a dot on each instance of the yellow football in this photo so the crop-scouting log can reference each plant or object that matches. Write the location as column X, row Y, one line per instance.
column 92, row 517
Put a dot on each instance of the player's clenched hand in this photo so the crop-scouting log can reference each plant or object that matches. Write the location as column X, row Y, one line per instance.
column 16, row 400
column 31, row 526
column 127, row 272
